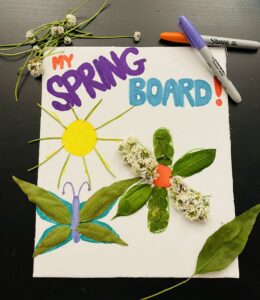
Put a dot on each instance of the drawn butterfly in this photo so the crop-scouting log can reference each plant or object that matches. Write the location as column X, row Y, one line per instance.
column 76, row 221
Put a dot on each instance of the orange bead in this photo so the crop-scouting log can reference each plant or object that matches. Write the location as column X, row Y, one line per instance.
column 163, row 176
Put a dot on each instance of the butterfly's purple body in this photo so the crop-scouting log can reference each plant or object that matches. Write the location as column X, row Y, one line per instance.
column 75, row 211
column 75, row 219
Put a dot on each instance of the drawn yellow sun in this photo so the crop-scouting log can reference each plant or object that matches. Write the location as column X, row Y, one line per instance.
column 79, row 138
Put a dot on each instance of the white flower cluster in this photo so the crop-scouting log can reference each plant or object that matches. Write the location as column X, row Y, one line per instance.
column 31, row 37
column 193, row 204
column 67, row 40
column 35, row 66
column 57, row 30
column 137, row 36
column 139, row 158
column 71, row 20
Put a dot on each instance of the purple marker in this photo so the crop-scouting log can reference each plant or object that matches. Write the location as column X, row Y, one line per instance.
column 75, row 210
column 197, row 41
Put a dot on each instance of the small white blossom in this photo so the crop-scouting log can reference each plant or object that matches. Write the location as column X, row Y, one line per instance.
column 67, row 40
column 35, row 67
column 36, row 48
column 193, row 204
column 137, row 36
column 57, row 30
column 71, row 20
column 31, row 37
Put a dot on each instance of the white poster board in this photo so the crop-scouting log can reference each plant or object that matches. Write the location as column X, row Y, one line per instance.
column 195, row 118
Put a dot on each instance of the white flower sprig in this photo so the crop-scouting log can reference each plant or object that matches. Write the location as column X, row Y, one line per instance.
column 51, row 35
column 193, row 204
column 139, row 158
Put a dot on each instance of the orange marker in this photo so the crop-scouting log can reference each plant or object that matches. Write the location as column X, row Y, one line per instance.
column 179, row 37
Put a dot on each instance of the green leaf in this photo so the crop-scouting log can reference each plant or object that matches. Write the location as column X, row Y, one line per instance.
column 158, row 214
column 101, row 200
column 49, row 204
column 163, row 149
column 134, row 199
column 99, row 233
column 56, row 236
column 193, row 162
column 227, row 243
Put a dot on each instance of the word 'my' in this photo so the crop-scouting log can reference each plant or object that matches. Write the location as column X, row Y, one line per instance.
column 98, row 75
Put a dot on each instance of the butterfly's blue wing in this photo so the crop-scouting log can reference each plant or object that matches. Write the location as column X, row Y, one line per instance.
column 47, row 231
column 105, row 213
column 86, row 239
column 42, row 215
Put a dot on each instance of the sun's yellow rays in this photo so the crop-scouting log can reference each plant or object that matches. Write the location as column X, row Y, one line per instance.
column 48, row 158
column 79, row 138
column 47, row 138
column 115, row 118
column 106, row 165
column 86, row 170
column 52, row 115
column 93, row 109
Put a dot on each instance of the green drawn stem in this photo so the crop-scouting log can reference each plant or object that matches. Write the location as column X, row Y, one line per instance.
column 168, row 289
column 109, row 139
column 19, row 77
column 93, row 109
column 104, row 162
column 46, row 138
column 52, row 115
column 48, row 158
column 115, row 118
column 63, row 170
column 86, row 170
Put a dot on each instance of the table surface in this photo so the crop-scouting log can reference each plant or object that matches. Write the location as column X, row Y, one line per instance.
column 20, row 122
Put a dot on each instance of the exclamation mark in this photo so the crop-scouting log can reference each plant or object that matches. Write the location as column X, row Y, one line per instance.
column 218, row 89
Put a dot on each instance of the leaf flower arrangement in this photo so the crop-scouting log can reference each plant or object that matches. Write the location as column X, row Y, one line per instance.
column 76, row 221
column 162, row 181
column 52, row 35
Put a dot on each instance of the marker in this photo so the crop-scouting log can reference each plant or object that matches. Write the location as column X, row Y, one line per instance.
column 196, row 40
column 179, row 37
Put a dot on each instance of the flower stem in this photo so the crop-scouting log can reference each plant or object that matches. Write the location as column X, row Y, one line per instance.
column 168, row 289
column 19, row 77
column 84, row 23
column 16, row 53
column 78, row 8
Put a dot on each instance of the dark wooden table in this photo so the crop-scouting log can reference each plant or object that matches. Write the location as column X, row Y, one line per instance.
column 20, row 122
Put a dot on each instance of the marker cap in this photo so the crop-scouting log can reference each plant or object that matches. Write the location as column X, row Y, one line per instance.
column 177, row 37
column 191, row 33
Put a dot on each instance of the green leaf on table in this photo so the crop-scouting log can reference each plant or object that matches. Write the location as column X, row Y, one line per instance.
column 49, row 204
column 193, row 162
column 163, row 149
column 52, row 238
column 102, row 199
column 227, row 243
column 158, row 213
column 134, row 199
column 222, row 247
column 99, row 233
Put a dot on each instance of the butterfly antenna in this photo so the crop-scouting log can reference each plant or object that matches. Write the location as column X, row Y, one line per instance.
column 72, row 187
column 85, row 182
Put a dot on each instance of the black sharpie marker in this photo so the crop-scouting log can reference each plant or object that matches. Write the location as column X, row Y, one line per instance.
column 179, row 37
